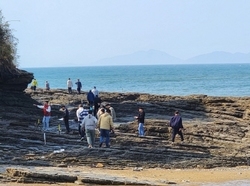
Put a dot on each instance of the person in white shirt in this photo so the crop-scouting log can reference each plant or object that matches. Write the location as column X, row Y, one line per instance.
column 70, row 86
column 89, row 123
column 81, row 113
column 95, row 92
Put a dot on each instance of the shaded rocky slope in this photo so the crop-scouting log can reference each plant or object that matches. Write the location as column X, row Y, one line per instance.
column 216, row 132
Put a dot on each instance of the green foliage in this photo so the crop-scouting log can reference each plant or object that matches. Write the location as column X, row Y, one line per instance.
column 8, row 44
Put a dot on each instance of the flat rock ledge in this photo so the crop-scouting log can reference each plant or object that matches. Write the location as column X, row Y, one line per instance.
column 46, row 176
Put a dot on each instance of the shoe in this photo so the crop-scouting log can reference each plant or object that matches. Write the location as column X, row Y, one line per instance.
column 100, row 145
column 82, row 138
column 172, row 143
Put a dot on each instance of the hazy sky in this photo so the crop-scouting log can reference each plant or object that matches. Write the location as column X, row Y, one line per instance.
column 80, row 32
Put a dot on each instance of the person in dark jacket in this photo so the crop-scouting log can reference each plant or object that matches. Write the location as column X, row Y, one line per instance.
column 141, row 118
column 90, row 98
column 65, row 118
column 79, row 86
column 97, row 103
column 177, row 127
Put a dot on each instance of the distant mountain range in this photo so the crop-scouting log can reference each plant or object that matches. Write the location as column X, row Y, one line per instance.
column 158, row 57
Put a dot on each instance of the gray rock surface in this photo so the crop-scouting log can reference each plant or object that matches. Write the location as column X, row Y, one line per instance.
column 216, row 132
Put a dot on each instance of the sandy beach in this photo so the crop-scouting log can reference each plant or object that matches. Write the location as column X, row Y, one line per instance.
column 193, row 177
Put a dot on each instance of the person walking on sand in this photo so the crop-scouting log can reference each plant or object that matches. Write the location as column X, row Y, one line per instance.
column 78, row 86
column 89, row 123
column 69, row 85
column 65, row 118
column 105, row 125
column 46, row 114
column 177, row 127
column 141, row 117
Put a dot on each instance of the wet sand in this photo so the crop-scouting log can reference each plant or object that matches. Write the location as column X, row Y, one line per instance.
column 191, row 177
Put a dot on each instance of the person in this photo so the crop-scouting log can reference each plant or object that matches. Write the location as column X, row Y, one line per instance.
column 113, row 114
column 95, row 91
column 65, row 118
column 90, row 98
column 34, row 84
column 105, row 125
column 69, row 85
column 79, row 86
column 141, row 117
column 177, row 127
column 80, row 114
column 47, row 87
column 89, row 123
column 97, row 103
column 100, row 112
column 46, row 114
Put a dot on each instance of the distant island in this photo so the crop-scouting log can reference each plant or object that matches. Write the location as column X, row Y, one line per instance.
column 160, row 58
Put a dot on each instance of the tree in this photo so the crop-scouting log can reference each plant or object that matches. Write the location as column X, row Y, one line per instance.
column 8, row 51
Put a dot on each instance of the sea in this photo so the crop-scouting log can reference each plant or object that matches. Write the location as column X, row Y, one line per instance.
column 176, row 80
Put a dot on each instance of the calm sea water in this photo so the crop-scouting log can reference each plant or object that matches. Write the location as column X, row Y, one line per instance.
column 212, row 79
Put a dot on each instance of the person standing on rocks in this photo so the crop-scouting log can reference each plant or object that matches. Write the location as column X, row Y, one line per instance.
column 97, row 103
column 47, row 87
column 90, row 98
column 95, row 91
column 112, row 110
column 80, row 114
column 141, row 119
column 100, row 112
column 65, row 118
column 46, row 114
column 78, row 86
column 89, row 123
column 70, row 86
column 105, row 124
column 34, row 84
column 177, row 127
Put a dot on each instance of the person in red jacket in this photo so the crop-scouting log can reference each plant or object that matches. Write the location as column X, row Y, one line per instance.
column 46, row 114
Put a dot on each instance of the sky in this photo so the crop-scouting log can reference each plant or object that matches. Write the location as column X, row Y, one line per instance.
column 55, row 33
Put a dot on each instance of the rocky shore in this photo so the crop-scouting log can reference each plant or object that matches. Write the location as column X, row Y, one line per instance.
column 217, row 134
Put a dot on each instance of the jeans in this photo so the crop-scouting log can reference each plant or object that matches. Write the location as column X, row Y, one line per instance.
column 104, row 133
column 81, row 132
column 46, row 122
column 141, row 129
column 90, row 134
column 176, row 131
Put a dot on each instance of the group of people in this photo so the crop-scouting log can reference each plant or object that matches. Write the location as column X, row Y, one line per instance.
column 89, row 122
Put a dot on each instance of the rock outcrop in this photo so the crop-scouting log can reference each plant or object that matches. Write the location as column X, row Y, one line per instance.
column 217, row 132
